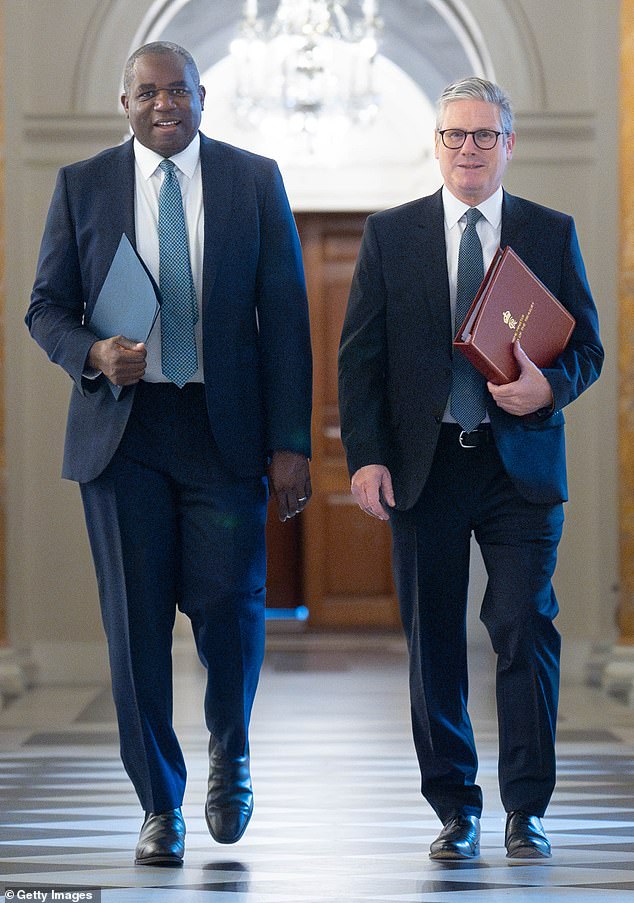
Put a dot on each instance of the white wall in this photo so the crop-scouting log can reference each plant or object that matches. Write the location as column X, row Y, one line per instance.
column 63, row 64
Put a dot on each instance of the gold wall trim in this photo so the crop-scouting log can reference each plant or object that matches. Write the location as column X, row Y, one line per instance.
column 626, row 329
column 3, row 284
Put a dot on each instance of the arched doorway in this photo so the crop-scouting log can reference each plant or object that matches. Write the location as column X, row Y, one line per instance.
column 425, row 44
column 64, row 107
column 334, row 559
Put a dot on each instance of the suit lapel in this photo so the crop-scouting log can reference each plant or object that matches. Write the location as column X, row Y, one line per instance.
column 431, row 263
column 111, row 213
column 118, row 182
column 515, row 230
column 217, row 179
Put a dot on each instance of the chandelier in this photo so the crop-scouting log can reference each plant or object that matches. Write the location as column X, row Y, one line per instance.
column 308, row 68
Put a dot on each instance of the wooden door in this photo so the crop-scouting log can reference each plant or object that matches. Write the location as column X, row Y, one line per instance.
column 347, row 578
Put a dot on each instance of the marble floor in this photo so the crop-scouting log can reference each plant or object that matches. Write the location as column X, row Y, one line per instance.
column 338, row 815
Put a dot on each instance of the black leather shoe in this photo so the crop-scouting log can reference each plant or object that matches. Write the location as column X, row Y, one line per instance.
column 525, row 837
column 229, row 795
column 459, row 839
column 162, row 839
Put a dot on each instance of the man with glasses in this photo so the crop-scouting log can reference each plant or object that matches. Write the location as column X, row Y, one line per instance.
column 440, row 453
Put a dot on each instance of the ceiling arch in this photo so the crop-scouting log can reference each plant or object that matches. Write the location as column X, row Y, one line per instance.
column 433, row 41
column 425, row 44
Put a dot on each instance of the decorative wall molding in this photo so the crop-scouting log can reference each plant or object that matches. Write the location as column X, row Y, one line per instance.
column 61, row 139
column 564, row 138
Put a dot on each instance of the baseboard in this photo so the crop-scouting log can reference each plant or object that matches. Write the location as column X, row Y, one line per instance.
column 70, row 663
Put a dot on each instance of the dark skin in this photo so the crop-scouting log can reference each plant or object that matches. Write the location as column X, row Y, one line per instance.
column 289, row 478
column 164, row 103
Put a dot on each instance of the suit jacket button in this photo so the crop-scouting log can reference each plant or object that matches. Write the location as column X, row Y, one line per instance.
column 438, row 419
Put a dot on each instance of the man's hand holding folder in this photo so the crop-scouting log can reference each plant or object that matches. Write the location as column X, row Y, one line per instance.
column 122, row 318
column 529, row 393
column 512, row 304
column 120, row 359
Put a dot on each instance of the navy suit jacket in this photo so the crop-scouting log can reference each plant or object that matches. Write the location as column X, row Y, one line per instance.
column 256, row 345
column 396, row 347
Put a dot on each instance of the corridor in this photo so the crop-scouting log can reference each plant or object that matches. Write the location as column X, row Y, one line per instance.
column 338, row 816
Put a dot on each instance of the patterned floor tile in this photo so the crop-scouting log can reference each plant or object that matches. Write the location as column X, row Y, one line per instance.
column 338, row 818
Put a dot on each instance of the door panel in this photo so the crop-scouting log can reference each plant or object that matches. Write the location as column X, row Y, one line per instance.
column 346, row 554
column 284, row 571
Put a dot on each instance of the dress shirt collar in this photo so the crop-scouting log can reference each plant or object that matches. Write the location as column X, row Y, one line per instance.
column 186, row 160
column 491, row 209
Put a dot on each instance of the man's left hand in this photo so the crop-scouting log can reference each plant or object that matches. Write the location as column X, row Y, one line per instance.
column 529, row 393
column 289, row 477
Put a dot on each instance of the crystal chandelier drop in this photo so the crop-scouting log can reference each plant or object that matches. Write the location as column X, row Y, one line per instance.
column 308, row 68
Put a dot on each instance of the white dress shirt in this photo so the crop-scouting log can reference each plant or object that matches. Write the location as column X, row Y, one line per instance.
column 489, row 229
column 148, row 178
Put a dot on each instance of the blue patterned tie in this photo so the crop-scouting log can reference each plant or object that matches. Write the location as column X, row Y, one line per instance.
column 179, row 308
column 468, row 390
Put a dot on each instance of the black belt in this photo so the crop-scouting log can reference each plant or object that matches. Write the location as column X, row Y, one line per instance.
column 475, row 439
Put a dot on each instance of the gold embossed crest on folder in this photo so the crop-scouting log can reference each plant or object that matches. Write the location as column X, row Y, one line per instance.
column 512, row 303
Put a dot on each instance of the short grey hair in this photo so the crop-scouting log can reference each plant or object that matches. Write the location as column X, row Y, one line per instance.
column 474, row 88
column 158, row 48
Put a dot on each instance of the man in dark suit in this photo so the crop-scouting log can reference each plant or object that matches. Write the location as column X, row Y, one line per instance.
column 173, row 474
column 442, row 455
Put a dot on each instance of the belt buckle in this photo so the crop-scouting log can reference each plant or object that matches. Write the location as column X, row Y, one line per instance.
column 462, row 436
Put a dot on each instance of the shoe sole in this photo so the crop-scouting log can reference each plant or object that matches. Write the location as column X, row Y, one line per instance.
column 233, row 839
column 451, row 856
column 161, row 861
column 528, row 853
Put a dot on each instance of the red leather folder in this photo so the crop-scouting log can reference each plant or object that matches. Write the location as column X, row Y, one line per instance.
column 512, row 303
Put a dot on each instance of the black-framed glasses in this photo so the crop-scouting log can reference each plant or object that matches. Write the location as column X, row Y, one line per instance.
column 485, row 139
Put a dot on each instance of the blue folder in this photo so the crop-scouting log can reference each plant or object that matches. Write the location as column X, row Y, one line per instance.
column 127, row 304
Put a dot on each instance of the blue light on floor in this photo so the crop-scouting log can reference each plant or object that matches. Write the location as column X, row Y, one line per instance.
column 287, row 614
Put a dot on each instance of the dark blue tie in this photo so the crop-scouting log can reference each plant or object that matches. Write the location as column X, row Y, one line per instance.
column 468, row 389
column 179, row 308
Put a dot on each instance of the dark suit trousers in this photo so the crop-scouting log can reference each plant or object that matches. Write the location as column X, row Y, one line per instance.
column 469, row 491
column 169, row 526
